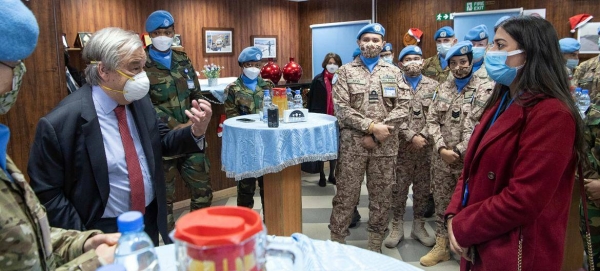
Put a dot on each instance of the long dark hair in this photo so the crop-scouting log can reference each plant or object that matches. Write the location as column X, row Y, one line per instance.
column 544, row 71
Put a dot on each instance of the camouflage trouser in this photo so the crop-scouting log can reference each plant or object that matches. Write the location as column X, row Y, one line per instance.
column 443, row 180
column 413, row 167
column 193, row 169
column 245, row 192
column 380, row 181
column 594, row 221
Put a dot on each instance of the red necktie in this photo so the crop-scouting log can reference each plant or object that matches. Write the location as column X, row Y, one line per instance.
column 136, row 179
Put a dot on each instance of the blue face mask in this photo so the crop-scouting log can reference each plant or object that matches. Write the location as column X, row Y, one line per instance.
column 495, row 64
column 478, row 53
column 572, row 63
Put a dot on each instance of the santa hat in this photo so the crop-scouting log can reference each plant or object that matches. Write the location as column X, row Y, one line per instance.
column 579, row 20
column 416, row 33
column 220, row 128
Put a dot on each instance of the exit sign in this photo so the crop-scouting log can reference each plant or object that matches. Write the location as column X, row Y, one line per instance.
column 444, row 16
column 475, row 6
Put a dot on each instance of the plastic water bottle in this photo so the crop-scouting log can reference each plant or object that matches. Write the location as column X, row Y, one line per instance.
column 298, row 100
column 290, row 98
column 584, row 102
column 266, row 105
column 576, row 95
column 135, row 249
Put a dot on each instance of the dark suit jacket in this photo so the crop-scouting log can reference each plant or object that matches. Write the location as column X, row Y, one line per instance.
column 317, row 96
column 68, row 168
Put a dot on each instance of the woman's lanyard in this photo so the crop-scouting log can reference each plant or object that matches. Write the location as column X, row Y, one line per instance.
column 501, row 108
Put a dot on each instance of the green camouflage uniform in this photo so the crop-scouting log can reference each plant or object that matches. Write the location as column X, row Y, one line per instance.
column 587, row 76
column 433, row 69
column 171, row 96
column 450, row 121
column 592, row 171
column 358, row 99
column 240, row 100
column 28, row 242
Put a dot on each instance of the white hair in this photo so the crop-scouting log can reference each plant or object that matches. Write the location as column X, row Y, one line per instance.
column 110, row 46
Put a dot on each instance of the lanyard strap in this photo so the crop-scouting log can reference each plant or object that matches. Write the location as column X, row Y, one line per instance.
column 500, row 110
column 585, row 216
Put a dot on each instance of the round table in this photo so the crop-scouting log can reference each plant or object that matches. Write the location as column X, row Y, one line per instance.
column 252, row 149
column 318, row 256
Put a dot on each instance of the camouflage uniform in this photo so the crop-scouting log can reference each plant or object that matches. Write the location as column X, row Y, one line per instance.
column 171, row 96
column 240, row 100
column 450, row 122
column 28, row 242
column 592, row 171
column 414, row 166
column 353, row 85
column 433, row 69
column 587, row 76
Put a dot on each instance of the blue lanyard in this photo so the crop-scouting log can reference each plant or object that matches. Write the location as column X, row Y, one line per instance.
column 500, row 108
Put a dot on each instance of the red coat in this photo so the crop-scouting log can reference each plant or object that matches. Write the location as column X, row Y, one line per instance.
column 520, row 177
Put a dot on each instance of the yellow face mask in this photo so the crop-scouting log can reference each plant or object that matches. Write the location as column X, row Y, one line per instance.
column 135, row 88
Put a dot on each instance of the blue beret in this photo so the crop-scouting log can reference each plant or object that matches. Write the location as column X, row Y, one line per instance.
column 410, row 50
column 569, row 45
column 387, row 47
column 356, row 52
column 477, row 33
column 444, row 32
column 371, row 28
column 502, row 19
column 250, row 54
column 158, row 19
column 459, row 49
column 18, row 31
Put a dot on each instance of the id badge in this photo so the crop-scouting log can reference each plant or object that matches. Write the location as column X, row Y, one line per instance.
column 389, row 92
column 373, row 97
column 191, row 84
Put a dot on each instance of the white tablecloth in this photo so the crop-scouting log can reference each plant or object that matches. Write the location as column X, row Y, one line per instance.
column 253, row 149
column 218, row 90
column 318, row 256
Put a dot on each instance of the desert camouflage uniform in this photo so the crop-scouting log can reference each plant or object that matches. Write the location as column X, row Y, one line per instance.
column 353, row 84
column 240, row 100
column 433, row 69
column 27, row 240
column 171, row 96
column 414, row 165
column 592, row 171
column 587, row 76
column 450, row 122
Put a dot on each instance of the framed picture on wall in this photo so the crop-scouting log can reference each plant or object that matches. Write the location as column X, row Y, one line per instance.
column 267, row 44
column 587, row 35
column 82, row 39
column 217, row 40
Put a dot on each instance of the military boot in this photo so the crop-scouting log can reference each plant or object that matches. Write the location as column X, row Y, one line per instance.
column 374, row 243
column 439, row 253
column 420, row 234
column 337, row 238
column 396, row 235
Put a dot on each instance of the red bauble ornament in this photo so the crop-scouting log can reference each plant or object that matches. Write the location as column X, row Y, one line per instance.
column 271, row 71
column 292, row 72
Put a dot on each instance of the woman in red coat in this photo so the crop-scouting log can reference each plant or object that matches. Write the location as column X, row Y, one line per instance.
column 510, row 206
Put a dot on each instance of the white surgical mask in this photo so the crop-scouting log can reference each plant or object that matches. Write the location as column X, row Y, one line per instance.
column 135, row 88
column 162, row 43
column 388, row 59
column 332, row 68
column 443, row 48
column 251, row 72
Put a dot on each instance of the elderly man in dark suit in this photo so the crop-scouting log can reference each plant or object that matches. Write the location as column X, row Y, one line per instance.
column 98, row 153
